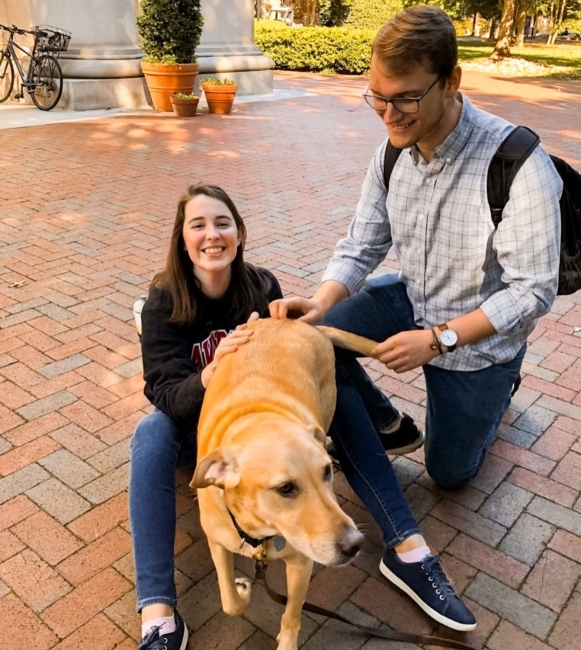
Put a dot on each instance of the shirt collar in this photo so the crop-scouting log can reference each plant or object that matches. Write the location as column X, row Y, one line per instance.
column 453, row 145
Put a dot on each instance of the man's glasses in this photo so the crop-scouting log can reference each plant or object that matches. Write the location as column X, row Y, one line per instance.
column 401, row 104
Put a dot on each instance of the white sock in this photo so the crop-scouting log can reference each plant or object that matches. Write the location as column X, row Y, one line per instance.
column 392, row 428
column 417, row 555
column 168, row 623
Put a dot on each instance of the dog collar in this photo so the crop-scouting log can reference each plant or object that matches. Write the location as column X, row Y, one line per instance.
column 245, row 537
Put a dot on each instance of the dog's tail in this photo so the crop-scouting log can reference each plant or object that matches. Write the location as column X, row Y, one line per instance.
column 348, row 341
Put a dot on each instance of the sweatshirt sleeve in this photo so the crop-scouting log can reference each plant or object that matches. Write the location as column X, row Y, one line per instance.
column 172, row 380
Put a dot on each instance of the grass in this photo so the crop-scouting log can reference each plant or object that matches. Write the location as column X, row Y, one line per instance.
column 561, row 61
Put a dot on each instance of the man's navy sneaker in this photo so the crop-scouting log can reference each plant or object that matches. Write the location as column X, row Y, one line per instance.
column 157, row 640
column 426, row 583
column 405, row 439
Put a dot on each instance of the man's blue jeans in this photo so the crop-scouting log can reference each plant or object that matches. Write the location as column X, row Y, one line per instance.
column 157, row 450
column 464, row 409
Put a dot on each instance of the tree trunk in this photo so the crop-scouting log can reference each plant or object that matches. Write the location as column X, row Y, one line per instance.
column 557, row 15
column 475, row 25
column 493, row 23
column 521, row 21
column 502, row 47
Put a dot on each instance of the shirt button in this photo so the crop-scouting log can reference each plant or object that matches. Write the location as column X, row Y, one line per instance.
column 428, row 181
column 449, row 161
column 422, row 216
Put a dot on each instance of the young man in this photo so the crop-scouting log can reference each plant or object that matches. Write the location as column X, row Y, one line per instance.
column 464, row 303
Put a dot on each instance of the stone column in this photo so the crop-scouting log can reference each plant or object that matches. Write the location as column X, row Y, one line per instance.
column 227, row 46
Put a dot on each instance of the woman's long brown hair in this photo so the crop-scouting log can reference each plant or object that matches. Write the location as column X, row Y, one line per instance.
column 178, row 275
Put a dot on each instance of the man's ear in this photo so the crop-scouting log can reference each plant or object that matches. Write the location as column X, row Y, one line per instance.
column 319, row 434
column 214, row 469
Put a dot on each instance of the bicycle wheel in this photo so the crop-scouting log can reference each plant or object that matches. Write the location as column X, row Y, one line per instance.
column 47, row 79
column 6, row 77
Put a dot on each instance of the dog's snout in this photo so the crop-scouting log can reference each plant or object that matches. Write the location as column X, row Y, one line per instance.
column 350, row 543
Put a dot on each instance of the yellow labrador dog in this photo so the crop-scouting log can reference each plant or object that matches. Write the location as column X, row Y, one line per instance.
column 264, row 478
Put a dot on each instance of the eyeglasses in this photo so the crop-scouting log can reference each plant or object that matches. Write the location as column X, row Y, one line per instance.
column 401, row 104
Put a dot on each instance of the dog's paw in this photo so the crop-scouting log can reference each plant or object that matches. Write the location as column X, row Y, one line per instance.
column 243, row 587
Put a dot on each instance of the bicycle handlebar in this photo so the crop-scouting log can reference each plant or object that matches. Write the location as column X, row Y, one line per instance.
column 15, row 30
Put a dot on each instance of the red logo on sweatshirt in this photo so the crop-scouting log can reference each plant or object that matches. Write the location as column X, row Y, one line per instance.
column 203, row 353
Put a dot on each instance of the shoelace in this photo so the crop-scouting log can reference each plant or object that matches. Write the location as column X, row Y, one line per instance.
column 433, row 569
column 149, row 642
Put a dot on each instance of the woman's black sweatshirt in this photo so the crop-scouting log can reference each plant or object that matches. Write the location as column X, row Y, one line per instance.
column 175, row 355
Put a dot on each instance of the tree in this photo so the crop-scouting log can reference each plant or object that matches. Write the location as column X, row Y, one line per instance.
column 557, row 14
column 502, row 47
column 522, row 12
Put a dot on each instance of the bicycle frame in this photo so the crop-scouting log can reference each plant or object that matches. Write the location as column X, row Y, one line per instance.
column 10, row 52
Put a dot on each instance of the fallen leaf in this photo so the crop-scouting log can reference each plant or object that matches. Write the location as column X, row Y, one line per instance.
column 16, row 285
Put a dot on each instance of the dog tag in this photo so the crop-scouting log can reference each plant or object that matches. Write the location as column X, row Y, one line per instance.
column 279, row 542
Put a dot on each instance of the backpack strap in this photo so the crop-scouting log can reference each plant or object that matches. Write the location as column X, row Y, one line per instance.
column 504, row 166
column 391, row 155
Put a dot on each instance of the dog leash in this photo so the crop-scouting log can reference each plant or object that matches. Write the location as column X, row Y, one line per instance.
column 260, row 567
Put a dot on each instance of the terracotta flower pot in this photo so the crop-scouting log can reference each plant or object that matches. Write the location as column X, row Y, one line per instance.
column 164, row 81
column 185, row 107
column 220, row 98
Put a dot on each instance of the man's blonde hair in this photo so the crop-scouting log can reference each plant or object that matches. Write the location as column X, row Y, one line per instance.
column 418, row 35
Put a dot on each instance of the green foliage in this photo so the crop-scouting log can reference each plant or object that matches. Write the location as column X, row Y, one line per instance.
column 212, row 81
column 167, row 59
column 315, row 49
column 170, row 28
column 333, row 13
column 186, row 96
column 371, row 14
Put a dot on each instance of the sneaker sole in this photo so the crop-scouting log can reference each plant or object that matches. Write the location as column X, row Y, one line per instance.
column 416, row 444
column 460, row 627
column 185, row 639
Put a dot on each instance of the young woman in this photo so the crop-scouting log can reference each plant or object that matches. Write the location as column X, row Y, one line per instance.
column 195, row 313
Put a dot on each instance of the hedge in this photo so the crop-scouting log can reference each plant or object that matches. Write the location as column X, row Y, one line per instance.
column 315, row 49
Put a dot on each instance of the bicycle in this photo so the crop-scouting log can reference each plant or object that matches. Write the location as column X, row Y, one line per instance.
column 44, row 79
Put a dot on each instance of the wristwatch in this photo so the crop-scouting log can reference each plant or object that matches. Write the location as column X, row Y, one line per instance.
column 448, row 337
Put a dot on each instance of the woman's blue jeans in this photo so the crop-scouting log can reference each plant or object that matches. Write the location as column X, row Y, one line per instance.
column 464, row 410
column 157, row 450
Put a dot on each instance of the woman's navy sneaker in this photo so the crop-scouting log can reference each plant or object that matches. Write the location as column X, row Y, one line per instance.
column 157, row 640
column 426, row 583
column 405, row 439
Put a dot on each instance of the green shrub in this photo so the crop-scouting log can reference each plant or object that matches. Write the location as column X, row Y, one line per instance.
column 170, row 28
column 315, row 49
column 371, row 14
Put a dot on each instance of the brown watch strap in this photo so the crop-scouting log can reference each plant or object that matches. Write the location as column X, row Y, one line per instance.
column 437, row 344
column 441, row 328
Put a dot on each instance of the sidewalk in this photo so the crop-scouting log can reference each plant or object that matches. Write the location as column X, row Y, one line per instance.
column 87, row 209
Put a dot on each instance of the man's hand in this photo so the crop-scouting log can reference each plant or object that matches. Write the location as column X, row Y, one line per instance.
column 227, row 345
column 406, row 350
column 308, row 310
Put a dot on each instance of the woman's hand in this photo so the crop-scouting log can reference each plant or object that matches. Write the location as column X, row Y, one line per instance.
column 406, row 350
column 227, row 345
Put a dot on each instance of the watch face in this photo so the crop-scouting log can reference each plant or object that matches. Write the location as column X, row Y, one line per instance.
column 449, row 338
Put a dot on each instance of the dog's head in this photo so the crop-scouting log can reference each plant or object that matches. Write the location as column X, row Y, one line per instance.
column 277, row 480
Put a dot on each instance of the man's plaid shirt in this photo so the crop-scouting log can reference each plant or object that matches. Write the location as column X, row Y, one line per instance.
column 438, row 220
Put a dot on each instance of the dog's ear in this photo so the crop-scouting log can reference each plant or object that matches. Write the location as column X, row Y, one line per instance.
column 319, row 434
column 214, row 469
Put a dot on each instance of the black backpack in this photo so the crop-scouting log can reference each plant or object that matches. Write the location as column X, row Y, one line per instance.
column 507, row 160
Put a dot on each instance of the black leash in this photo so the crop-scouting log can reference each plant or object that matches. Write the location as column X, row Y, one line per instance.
column 260, row 567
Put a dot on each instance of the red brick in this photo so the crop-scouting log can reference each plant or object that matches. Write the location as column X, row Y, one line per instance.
column 459, row 573
column 86, row 601
column 16, row 510
column 543, row 486
column 523, row 457
column 565, row 635
column 494, row 563
column 9, row 545
column 509, row 637
column 85, row 416
column 68, row 349
column 98, row 634
column 567, row 544
column 552, row 580
column 35, row 429
column 568, row 471
column 78, row 441
column 94, row 395
column 554, row 443
column 8, row 420
column 27, row 454
column 127, row 406
column 52, row 386
column 47, row 537
column 120, row 430
column 100, row 520
column 557, row 361
column 14, row 397
column 571, row 378
column 99, row 375
column 98, row 555
column 27, row 632
column 33, row 580
column 105, row 357
column 568, row 424
column 128, row 386
column 48, row 325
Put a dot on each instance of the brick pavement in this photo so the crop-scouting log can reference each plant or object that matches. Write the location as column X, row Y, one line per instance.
column 87, row 208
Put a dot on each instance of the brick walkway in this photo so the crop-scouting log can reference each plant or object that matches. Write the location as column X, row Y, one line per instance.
column 87, row 209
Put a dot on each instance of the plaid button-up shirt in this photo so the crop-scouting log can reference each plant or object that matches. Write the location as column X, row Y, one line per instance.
column 453, row 261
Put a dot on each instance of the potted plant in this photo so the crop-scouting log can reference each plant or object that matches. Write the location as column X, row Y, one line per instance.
column 170, row 31
column 219, row 94
column 185, row 104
